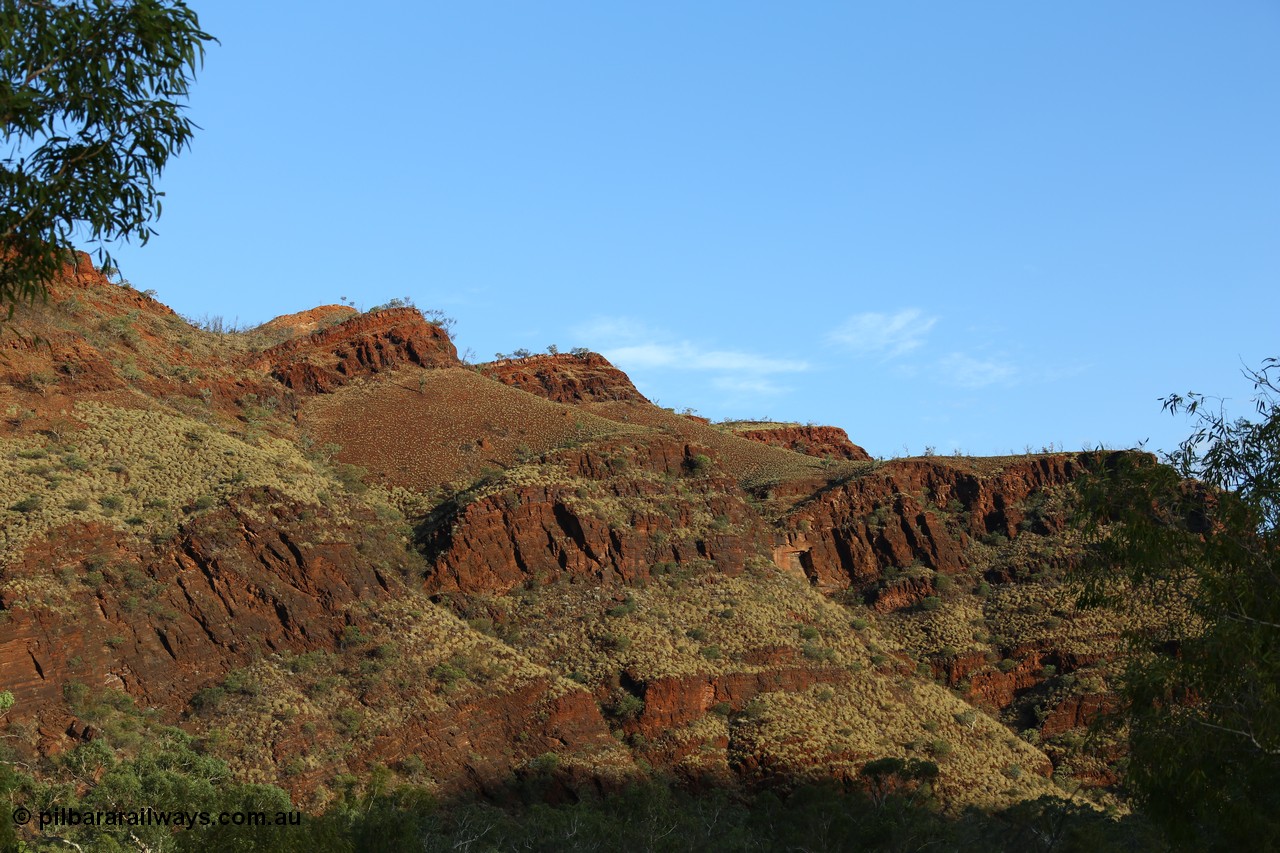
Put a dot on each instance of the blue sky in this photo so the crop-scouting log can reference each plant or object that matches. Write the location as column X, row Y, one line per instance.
column 982, row 226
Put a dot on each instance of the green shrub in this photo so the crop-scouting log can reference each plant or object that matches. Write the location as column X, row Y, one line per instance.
column 349, row 721
column 813, row 651
column 208, row 699
column 447, row 673
column 628, row 706
column 711, row 652
column 30, row 503
column 699, row 464
column 931, row 602
column 626, row 608
column 73, row 462
column 351, row 636
column 351, row 477
column 616, row 642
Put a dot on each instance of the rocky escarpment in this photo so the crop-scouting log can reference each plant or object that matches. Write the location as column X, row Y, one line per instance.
column 209, row 628
column 608, row 512
column 566, row 378
column 361, row 346
column 45, row 344
column 307, row 322
column 87, row 605
column 913, row 511
column 821, row 441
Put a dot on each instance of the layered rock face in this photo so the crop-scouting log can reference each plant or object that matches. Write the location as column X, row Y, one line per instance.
column 847, row 533
column 258, row 578
column 161, row 624
column 362, row 346
column 606, row 518
column 566, row 378
column 821, row 441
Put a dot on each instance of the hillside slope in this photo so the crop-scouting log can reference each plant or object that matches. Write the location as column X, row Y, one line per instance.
column 328, row 548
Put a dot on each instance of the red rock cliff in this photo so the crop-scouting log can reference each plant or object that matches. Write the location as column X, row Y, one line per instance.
column 566, row 378
column 819, row 441
column 845, row 533
column 501, row 540
column 364, row 345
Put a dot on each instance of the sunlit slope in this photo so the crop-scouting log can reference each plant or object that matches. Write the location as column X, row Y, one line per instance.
column 419, row 429
column 752, row 462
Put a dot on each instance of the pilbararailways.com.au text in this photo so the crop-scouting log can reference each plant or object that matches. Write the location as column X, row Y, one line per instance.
column 159, row 817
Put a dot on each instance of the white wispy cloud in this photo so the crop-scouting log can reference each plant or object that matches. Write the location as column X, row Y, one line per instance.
column 747, row 386
column 884, row 335
column 965, row 371
column 634, row 346
column 687, row 356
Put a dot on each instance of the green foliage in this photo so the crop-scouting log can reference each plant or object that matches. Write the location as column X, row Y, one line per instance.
column 815, row 652
column 30, row 503
column 626, row 608
column 1199, row 536
column 448, row 674
column 628, row 706
column 88, row 130
column 699, row 464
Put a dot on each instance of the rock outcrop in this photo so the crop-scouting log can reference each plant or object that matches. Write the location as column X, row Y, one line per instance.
column 821, row 441
column 847, row 532
column 566, row 378
column 160, row 625
column 616, row 530
column 307, row 322
column 361, row 346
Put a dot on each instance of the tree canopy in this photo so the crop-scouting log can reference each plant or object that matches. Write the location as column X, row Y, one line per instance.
column 1198, row 535
column 91, row 102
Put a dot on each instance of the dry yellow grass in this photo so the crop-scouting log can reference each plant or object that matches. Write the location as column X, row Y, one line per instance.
column 835, row 729
column 413, row 662
column 135, row 469
column 868, row 710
